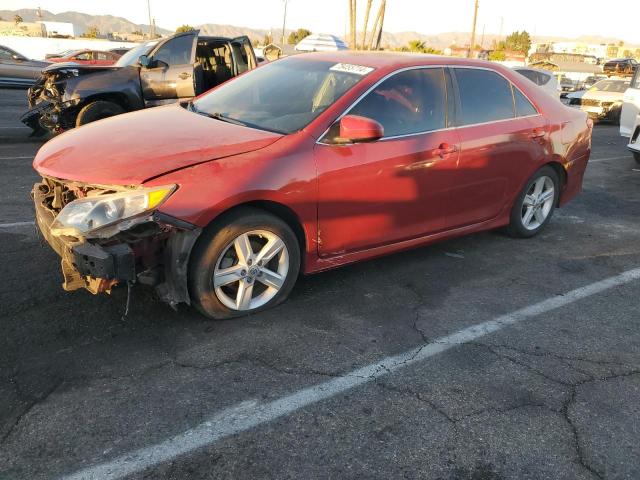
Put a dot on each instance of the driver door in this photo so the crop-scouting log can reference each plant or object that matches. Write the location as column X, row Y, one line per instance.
column 169, row 76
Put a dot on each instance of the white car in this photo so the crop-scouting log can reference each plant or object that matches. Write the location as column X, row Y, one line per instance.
column 634, row 141
column 603, row 101
column 631, row 108
column 543, row 78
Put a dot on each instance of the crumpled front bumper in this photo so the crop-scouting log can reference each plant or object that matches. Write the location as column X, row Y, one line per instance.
column 159, row 260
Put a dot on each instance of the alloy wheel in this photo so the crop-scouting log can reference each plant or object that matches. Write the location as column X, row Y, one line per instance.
column 538, row 203
column 251, row 270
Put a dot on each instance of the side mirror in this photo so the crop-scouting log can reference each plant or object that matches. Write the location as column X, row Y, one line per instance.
column 144, row 61
column 354, row 128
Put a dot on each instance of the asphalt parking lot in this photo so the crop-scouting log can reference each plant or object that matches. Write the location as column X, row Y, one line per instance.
column 482, row 358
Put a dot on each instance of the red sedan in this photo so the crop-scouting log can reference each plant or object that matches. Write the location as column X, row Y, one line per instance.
column 303, row 165
column 86, row 57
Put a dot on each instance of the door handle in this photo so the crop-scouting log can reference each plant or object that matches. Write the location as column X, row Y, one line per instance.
column 537, row 133
column 445, row 149
column 184, row 75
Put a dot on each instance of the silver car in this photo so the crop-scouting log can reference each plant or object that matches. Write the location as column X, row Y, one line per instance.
column 16, row 70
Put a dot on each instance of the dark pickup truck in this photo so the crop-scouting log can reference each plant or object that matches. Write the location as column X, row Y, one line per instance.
column 68, row 95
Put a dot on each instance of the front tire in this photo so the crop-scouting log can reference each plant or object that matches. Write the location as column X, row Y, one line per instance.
column 534, row 206
column 244, row 264
column 97, row 111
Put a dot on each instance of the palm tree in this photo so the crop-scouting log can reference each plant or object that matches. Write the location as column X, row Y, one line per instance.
column 417, row 46
column 366, row 24
column 17, row 19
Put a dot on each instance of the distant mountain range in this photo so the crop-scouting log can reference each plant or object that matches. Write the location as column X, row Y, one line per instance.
column 110, row 23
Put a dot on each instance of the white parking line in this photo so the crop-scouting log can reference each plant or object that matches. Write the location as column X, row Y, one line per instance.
column 17, row 224
column 609, row 158
column 248, row 415
column 18, row 157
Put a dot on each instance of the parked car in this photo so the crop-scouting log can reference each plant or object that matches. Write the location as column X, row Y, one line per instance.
column 16, row 70
column 302, row 165
column 151, row 74
column 630, row 107
column 634, row 141
column 542, row 78
column 603, row 101
column 620, row 66
column 86, row 57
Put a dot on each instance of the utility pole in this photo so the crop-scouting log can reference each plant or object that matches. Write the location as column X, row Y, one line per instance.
column 473, row 30
column 284, row 20
column 152, row 32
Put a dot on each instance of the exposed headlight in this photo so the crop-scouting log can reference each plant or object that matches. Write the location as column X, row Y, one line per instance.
column 85, row 216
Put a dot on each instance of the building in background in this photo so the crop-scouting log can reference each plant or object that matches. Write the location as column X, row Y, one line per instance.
column 22, row 29
column 58, row 29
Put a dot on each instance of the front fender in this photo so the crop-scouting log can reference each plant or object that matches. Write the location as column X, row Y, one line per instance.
column 122, row 82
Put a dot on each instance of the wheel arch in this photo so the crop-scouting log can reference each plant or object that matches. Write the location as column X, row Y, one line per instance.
column 115, row 97
column 562, row 175
column 277, row 209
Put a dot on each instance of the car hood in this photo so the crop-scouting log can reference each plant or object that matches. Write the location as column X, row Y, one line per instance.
column 56, row 65
column 132, row 148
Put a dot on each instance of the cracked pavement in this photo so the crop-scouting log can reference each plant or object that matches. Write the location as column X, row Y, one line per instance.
column 555, row 396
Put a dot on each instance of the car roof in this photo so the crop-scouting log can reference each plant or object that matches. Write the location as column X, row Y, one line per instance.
column 392, row 60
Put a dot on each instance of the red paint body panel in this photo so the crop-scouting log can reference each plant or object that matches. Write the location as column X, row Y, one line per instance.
column 353, row 201
column 129, row 149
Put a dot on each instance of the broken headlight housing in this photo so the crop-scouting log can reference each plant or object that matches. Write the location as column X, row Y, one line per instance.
column 92, row 216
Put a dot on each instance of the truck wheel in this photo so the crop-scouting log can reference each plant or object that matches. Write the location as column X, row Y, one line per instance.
column 96, row 111
column 535, row 204
column 244, row 264
column 636, row 155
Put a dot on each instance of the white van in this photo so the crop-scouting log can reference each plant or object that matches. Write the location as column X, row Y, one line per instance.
column 630, row 107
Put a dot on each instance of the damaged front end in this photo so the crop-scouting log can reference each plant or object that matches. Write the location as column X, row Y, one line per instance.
column 106, row 235
column 49, row 108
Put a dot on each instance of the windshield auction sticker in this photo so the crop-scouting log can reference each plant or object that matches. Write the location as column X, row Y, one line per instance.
column 350, row 68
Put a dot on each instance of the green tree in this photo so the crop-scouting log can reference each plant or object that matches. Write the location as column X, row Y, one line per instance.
column 416, row 46
column 295, row 37
column 517, row 41
column 267, row 39
column 497, row 56
column 184, row 28
column 92, row 32
column 137, row 32
column 17, row 19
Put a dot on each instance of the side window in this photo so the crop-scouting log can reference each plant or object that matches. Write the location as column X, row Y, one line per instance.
column 5, row 54
column 485, row 96
column 83, row 56
column 523, row 105
column 531, row 75
column 544, row 78
column 101, row 56
column 409, row 102
column 176, row 51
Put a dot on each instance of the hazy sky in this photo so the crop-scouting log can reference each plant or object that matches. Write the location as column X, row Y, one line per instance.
column 614, row 18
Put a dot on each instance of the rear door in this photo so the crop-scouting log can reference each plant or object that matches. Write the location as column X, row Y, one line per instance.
column 630, row 106
column 169, row 76
column 502, row 139
column 243, row 55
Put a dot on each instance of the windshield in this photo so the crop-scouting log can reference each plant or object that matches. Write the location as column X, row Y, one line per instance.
column 283, row 96
column 614, row 86
column 131, row 57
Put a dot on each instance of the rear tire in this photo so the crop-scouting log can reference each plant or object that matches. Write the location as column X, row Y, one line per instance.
column 636, row 156
column 534, row 206
column 97, row 111
column 223, row 268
